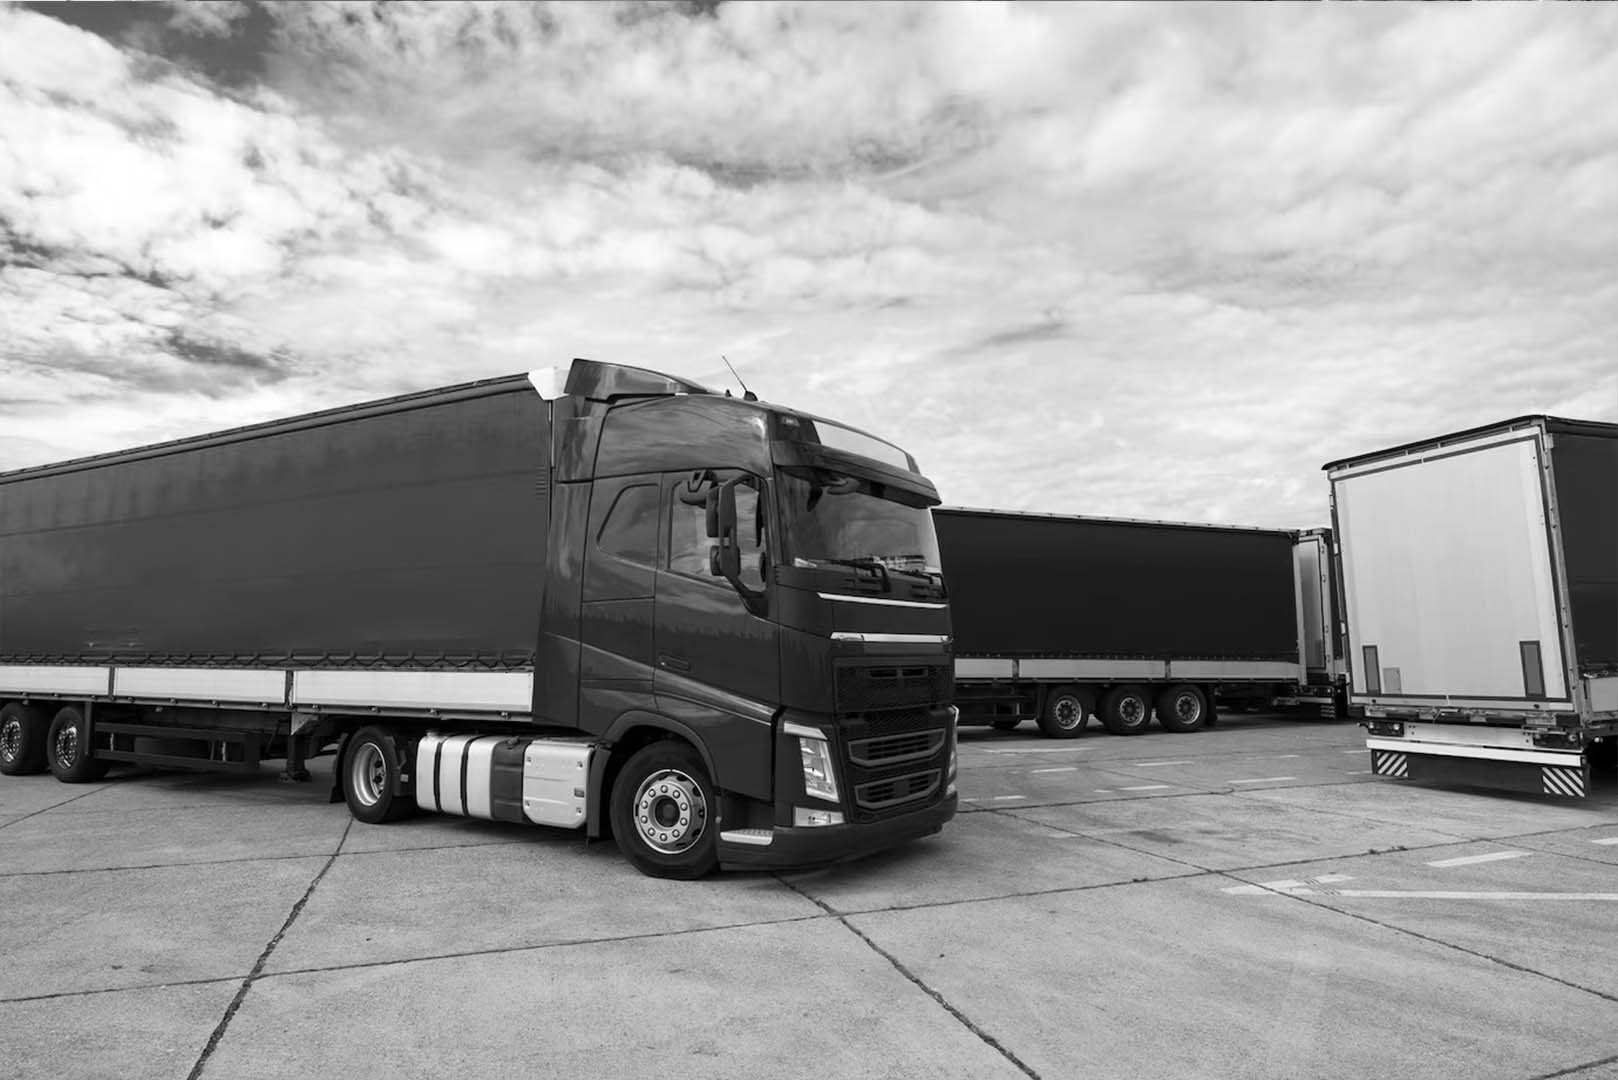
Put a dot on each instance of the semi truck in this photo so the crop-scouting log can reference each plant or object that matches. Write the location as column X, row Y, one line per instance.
column 1058, row 617
column 710, row 627
column 1479, row 575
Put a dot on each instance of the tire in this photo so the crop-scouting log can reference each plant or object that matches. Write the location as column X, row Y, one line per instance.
column 372, row 765
column 665, row 812
column 67, row 749
column 1004, row 725
column 1126, row 710
column 23, row 729
column 1182, row 708
column 1065, row 712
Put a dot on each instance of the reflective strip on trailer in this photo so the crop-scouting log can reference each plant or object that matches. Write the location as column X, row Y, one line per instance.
column 1559, row 780
column 1390, row 763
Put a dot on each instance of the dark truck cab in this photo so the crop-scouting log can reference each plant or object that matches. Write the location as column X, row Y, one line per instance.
column 764, row 585
column 712, row 626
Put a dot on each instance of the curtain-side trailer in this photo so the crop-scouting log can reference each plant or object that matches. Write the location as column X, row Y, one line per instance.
column 1057, row 617
column 707, row 625
column 1480, row 580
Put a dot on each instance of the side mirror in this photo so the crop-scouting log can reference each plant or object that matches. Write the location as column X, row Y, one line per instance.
column 725, row 557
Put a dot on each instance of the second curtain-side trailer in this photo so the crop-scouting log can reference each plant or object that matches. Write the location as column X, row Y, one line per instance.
column 711, row 626
column 1059, row 617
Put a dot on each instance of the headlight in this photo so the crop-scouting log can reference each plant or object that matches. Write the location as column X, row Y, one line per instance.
column 819, row 778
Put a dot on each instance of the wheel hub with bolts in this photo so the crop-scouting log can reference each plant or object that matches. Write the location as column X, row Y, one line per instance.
column 670, row 812
column 370, row 773
column 67, row 746
column 1068, row 712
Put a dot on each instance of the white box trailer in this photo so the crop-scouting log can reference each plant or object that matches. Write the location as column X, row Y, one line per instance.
column 1479, row 576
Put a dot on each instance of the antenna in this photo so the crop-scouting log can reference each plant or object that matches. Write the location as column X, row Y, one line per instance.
column 747, row 395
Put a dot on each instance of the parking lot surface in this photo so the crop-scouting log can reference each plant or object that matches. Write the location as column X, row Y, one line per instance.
column 1246, row 901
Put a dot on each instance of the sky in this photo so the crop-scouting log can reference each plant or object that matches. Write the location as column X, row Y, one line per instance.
column 1155, row 261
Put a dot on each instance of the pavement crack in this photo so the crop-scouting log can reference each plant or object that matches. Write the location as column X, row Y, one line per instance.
column 1574, row 1070
column 52, row 806
column 898, row 965
column 1419, row 936
column 263, row 957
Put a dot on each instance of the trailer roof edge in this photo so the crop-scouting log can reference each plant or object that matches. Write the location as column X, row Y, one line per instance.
column 400, row 403
column 1556, row 425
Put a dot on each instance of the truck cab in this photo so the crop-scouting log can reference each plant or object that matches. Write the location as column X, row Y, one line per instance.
column 759, row 584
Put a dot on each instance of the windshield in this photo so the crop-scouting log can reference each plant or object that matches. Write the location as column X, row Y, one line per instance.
column 831, row 518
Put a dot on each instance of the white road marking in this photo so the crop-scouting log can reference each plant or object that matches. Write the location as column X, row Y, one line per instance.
column 1262, row 780
column 1057, row 768
column 1361, row 750
column 996, row 798
column 1103, row 791
column 1468, row 860
column 1438, row 894
column 1150, row 764
column 1146, row 787
column 1417, row 894
column 1606, row 840
column 1358, row 772
column 1038, row 750
column 1279, row 757
column 1286, row 886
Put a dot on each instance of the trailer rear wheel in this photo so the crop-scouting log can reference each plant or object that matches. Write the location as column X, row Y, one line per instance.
column 1066, row 710
column 67, row 749
column 1182, row 708
column 1126, row 710
column 664, row 810
column 371, row 771
column 22, row 739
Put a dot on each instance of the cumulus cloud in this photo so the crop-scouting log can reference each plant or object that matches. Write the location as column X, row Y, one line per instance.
column 1122, row 260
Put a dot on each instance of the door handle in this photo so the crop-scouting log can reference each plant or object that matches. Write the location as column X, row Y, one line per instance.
column 673, row 663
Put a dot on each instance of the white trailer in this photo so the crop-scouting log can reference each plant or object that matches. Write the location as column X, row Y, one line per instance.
column 1479, row 576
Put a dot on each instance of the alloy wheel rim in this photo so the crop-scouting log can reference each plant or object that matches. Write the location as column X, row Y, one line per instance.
column 671, row 813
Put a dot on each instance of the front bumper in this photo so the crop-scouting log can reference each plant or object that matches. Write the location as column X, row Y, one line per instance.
column 803, row 847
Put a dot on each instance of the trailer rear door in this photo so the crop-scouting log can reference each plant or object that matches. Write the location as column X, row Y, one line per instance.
column 1448, row 576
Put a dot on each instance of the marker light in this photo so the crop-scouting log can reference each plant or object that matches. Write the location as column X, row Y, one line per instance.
column 802, row 815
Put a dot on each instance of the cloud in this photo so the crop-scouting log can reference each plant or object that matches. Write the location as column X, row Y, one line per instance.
column 1120, row 260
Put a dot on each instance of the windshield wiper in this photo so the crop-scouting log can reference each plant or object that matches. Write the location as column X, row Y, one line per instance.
column 864, row 562
column 909, row 571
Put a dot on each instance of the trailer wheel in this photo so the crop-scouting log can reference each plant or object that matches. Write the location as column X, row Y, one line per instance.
column 67, row 749
column 1182, row 708
column 371, row 770
column 1126, row 710
column 22, row 739
column 1065, row 712
column 664, row 812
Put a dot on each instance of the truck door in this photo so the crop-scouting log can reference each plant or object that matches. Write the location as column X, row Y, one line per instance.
column 718, row 666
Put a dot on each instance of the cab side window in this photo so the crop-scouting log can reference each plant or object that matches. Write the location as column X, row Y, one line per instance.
column 630, row 528
column 690, row 544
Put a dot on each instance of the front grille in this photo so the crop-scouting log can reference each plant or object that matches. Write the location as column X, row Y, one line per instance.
column 894, row 749
column 881, row 754
column 896, row 791
column 862, row 687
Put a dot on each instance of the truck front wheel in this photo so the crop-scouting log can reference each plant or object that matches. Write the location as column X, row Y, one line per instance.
column 1065, row 712
column 1182, row 708
column 67, row 749
column 664, row 812
column 371, row 771
column 22, row 739
column 1127, row 710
